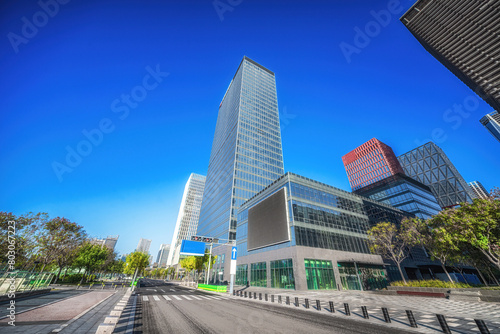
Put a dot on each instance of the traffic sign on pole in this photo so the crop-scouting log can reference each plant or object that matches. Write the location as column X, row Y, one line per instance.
column 234, row 252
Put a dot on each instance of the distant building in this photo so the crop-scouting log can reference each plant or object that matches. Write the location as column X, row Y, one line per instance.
column 463, row 36
column 491, row 122
column 369, row 163
column 479, row 190
column 109, row 242
column 143, row 245
column 189, row 213
column 124, row 257
column 162, row 257
column 429, row 165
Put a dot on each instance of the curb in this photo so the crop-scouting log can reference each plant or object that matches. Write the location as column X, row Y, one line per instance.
column 109, row 324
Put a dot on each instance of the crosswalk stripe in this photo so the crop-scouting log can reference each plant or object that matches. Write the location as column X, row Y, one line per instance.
column 167, row 297
column 205, row 297
column 156, row 298
column 145, row 298
column 216, row 298
column 176, row 297
column 198, row 298
column 186, row 297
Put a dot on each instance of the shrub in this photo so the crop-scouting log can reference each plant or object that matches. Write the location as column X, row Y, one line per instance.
column 433, row 283
column 74, row 278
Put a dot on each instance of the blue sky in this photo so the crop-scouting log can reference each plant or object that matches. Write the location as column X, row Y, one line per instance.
column 89, row 66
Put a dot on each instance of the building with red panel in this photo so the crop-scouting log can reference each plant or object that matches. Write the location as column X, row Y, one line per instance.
column 369, row 163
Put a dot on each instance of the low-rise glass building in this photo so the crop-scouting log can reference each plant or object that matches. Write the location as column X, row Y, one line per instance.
column 301, row 234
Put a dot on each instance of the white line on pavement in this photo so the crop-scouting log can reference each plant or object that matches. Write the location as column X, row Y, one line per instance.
column 167, row 297
column 156, row 298
column 176, row 297
column 198, row 298
column 186, row 297
column 145, row 298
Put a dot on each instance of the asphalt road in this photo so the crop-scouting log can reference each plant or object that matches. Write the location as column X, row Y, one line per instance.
column 169, row 308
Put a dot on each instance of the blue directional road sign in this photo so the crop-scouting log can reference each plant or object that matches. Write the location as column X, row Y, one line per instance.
column 233, row 253
column 195, row 248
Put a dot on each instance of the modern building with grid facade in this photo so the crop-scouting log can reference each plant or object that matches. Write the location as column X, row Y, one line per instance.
column 143, row 245
column 463, row 36
column 246, row 151
column 189, row 213
column 301, row 234
column 369, row 163
column 404, row 193
column 491, row 122
column 479, row 190
column 162, row 257
column 429, row 165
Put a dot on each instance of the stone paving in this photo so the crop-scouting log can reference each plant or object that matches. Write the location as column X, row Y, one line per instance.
column 459, row 315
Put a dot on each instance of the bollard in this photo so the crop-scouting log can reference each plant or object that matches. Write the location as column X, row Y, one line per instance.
column 347, row 310
column 306, row 301
column 288, row 300
column 443, row 324
column 255, row 295
column 260, row 296
column 318, row 305
column 265, row 297
column 234, row 292
column 365, row 312
column 411, row 319
column 279, row 299
column 482, row 326
column 245, row 294
column 272, row 298
column 385, row 312
column 332, row 308
column 297, row 301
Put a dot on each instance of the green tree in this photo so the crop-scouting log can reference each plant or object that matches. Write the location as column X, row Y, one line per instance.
column 90, row 257
column 24, row 232
column 59, row 241
column 477, row 223
column 136, row 262
column 391, row 242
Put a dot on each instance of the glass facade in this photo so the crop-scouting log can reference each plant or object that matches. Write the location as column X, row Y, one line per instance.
column 371, row 277
column 479, row 190
column 282, row 274
column 428, row 164
column 491, row 122
column 319, row 275
column 258, row 274
column 241, row 274
column 405, row 194
column 321, row 216
column 246, row 151
column 189, row 213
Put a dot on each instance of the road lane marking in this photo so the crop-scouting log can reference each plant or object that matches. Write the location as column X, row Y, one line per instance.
column 205, row 297
column 162, row 290
column 156, row 298
column 176, row 297
column 186, row 297
column 198, row 298
column 172, row 289
column 167, row 297
column 145, row 298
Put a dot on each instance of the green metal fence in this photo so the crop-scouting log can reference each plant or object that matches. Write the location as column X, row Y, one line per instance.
column 218, row 288
column 23, row 281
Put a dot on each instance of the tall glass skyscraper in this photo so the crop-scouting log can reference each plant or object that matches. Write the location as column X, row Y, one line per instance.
column 479, row 189
column 246, row 152
column 491, row 122
column 189, row 213
column 429, row 165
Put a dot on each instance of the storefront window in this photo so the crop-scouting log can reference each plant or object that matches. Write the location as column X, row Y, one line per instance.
column 282, row 274
column 258, row 274
column 319, row 275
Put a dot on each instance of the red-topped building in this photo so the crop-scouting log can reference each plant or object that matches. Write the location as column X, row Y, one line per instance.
column 369, row 163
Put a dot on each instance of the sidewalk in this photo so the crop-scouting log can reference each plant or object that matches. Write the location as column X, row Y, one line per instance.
column 459, row 315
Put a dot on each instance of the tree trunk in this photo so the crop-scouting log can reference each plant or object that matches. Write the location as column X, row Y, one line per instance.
column 58, row 274
column 83, row 276
column 401, row 273
column 481, row 275
column 492, row 275
column 65, row 272
column 447, row 274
